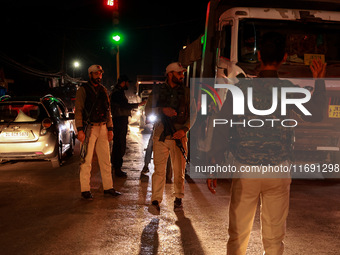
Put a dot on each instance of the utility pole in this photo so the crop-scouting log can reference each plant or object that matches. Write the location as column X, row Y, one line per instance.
column 63, row 71
column 117, row 61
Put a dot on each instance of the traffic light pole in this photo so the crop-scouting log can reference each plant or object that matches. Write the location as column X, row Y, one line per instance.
column 115, row 23
column 117, row 62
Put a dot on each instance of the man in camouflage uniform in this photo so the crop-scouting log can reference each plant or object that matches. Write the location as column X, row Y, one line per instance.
column 262, row 146
column 171, row 103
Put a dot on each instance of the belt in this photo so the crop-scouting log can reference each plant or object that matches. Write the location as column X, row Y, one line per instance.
column 98, row 123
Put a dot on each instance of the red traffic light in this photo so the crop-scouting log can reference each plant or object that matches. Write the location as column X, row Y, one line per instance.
column 111, row 4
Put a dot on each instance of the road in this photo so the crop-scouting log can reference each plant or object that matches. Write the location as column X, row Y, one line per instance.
column 41, row 213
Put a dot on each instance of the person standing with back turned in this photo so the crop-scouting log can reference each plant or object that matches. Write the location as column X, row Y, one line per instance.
column 92, row 112
column 262, row 146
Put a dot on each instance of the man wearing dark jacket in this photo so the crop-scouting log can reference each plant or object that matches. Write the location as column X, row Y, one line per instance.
column 262, row 146
column 92, row 109
column 176, row 114
column 121, row 110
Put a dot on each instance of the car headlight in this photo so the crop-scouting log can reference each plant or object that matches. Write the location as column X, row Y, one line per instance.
column 152, row 118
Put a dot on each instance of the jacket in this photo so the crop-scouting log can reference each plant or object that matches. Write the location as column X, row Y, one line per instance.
column 119, row 103
column 84, row 104
column 156, row 102
column 223, row 135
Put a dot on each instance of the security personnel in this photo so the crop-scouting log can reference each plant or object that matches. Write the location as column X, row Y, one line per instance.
column 121, row 110
column 93, row 106
column 262, row 146
column 171, row 102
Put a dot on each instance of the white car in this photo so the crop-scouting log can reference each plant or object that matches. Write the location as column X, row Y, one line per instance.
column 34, row 128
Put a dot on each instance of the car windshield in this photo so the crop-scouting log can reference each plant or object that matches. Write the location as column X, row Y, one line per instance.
column 21, row 112
column 145, row 88
column 302, row 39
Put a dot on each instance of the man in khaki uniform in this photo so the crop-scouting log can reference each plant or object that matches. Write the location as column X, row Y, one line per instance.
column 93, row 106
column 255, row 147
column 170, row 101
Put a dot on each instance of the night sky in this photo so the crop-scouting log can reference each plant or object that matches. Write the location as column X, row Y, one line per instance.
column 38, row 33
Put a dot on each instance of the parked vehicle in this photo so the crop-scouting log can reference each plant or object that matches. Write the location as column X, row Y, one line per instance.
column 34, row 128
column 228, row 48
column 145, row 84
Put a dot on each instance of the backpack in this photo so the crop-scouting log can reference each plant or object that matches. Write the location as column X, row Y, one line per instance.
column 270, row 144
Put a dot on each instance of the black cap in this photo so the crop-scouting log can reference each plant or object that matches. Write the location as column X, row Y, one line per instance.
column 122, row 78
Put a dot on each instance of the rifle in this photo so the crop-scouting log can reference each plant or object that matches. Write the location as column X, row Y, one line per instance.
column 83, row 149
column 87, row 131
column 169, row 125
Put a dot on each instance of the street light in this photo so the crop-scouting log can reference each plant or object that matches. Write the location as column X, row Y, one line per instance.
column 75, row 65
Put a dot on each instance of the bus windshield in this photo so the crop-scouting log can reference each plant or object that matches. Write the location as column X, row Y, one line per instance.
column 303, row 39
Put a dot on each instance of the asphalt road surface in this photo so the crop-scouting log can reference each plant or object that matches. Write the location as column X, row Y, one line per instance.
column 41, row 212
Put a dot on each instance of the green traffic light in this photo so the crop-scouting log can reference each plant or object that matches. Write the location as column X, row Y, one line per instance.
column 116, row 38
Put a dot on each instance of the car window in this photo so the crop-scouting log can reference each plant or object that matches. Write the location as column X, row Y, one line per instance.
column 61, row 111
column 53, row 109
column 21, row 112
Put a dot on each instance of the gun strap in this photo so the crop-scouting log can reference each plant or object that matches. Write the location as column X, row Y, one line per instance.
column 83, row 149
column 91, row 110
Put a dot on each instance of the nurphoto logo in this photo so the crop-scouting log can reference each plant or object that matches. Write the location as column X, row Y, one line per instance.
column 239, row 105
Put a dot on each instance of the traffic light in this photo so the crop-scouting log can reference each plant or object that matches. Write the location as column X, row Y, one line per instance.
column 117, row 38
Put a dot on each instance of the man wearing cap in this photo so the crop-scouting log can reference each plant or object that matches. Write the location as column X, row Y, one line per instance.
column 121, row 110
column 92, row 109
column 176, row 113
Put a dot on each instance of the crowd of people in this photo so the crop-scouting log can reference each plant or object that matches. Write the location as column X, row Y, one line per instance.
column 107, row 119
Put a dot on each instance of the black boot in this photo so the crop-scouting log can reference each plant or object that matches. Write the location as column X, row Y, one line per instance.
column 120, row 173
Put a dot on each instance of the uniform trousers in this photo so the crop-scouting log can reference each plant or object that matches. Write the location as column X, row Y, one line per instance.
column 245, row 194
column 147, row 159
column 161, row 151
column 98, row 141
